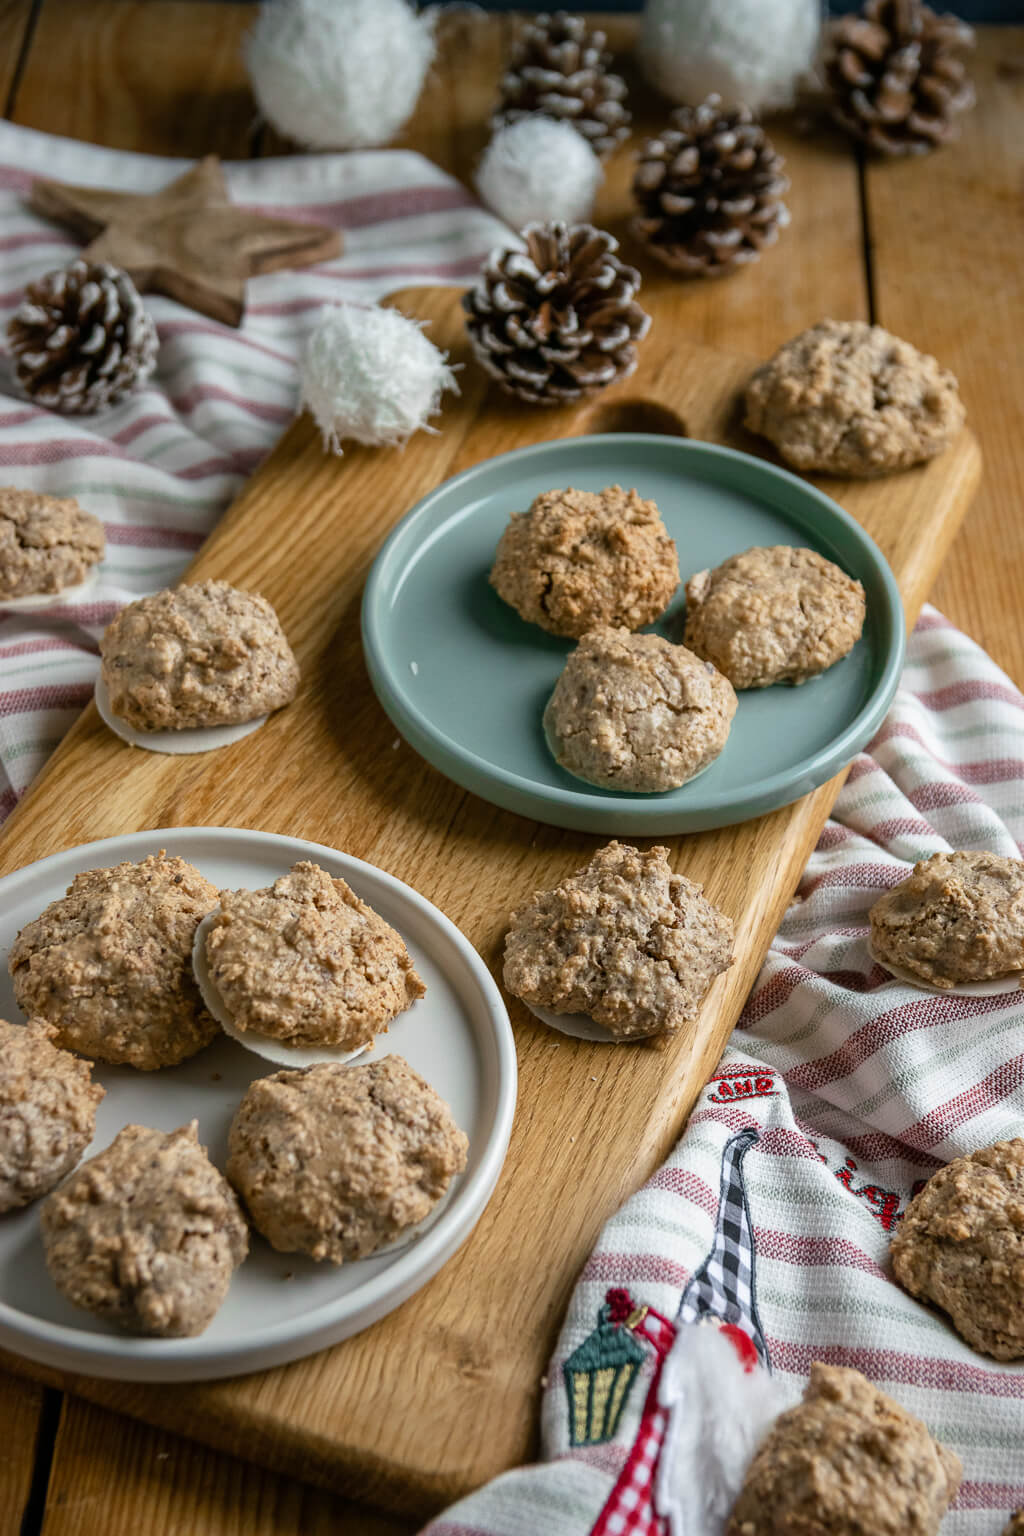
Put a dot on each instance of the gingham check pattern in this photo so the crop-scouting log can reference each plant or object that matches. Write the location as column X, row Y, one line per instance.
column 724, row 1285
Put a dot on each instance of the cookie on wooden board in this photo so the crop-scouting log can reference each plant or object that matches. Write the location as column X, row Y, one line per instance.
column 338, row 1161
column 146, row 1234
column 624, row 940
column 197, row 656
column 773, row 615
column 578, row 560
column 852, row 399
column 960, row 1246
column 47, row 1111
column 47, row 543
column 109, row 964
column 636, row 713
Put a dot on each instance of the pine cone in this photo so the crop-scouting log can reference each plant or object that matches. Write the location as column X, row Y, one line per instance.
column 81, row 338
column 898, row 75
column 558, row 321
column 709, row 191
column 560, row 70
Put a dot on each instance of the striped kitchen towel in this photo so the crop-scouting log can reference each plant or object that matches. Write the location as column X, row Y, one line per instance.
column 841, row 1090
column 159, row 468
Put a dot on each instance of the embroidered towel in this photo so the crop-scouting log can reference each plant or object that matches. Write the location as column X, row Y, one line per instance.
column 840, row 1091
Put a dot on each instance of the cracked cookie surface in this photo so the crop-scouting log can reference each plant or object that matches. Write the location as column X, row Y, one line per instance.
column 336, row 1161
column 146, row 1234
column 847, row 1460
column 959, row 917
column 635, row 712
column 110, row 964
column 47, row 543
column 852, row 399
column 47, row 1111
column 196, row 656
column 961, row 1246
column 773, row 615
column 581, row 559
column 624, row 940
column 307, row 962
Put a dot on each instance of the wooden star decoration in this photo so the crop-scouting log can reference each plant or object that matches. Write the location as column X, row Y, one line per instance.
column 188, row 241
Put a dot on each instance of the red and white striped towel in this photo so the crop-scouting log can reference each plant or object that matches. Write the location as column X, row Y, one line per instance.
column 160, row 467
column 850, row 1088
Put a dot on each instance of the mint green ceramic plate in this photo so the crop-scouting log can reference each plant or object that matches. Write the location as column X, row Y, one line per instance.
column 465, row 679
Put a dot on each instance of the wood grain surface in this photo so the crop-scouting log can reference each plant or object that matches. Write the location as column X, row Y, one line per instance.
column 166, row 76
column 415, row 1411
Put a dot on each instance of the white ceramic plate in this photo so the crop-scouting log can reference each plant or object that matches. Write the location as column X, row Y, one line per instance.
column 281, row 1306
column 579, row 1025
column 172, row 743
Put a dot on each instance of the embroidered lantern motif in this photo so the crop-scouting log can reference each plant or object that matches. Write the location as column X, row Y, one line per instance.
column 601, row 1371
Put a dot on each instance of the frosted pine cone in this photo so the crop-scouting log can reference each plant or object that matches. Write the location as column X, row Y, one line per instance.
column 560, row 69
column 898, row 75
column 82, row 339
column 709, row 191
column 559, row 320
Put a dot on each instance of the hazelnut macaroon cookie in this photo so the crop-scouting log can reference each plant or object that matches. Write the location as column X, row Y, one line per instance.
column 147, row 1234
column 957, row 919
column 303, row 964
column 109, row 965
column 624, row 941
column 581, row 559
column 338, row 1162
column 194, row 667
column 636, row 713
column 773, row 615
column 47, row 1111
column 960, row 1246
column 48, row 545
column 847, row 1460
column 852, row 399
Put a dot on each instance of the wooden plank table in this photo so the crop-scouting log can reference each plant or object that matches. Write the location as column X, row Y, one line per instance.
column 941, row 266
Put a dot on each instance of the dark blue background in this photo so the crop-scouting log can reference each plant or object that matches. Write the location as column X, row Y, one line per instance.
column 973, row 10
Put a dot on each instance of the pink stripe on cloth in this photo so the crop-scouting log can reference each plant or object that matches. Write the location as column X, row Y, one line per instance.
column 894, row 1365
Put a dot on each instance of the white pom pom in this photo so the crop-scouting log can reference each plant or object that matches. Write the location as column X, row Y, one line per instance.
column 339, row 74
column 718, row 1414
column 754, row 53
column 537, row 170
column 372, row 376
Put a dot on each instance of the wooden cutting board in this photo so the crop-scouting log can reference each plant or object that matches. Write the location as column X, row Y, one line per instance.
column 442, row 1394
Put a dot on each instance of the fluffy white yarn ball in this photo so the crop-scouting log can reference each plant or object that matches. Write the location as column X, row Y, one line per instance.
column 372, row 376
column 339, row 74
column 754, row 53
column 537, row 170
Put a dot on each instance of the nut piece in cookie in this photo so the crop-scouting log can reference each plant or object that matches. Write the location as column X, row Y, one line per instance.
column 338, row 1161
column 623, row 940
column 961, row 1246
column 581, row 559
column 110, row 964
column 47, row 543
column 146, row 1234
column 847, row 1460
column 850, row 398
column 306, row 962
column 958, row 917
column 775, row 615
column 635, row 712
column 197, row 656
column 47, row 1111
